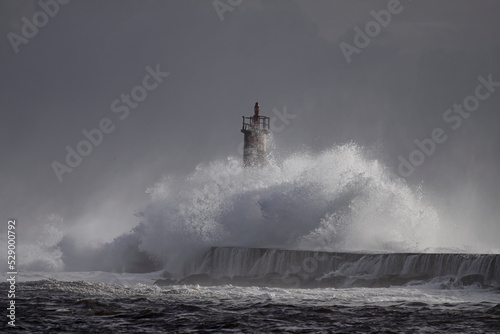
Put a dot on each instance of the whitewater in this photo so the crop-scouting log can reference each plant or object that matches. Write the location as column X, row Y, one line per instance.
column 326, row 242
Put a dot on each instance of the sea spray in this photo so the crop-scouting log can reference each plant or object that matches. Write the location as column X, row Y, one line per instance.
column 335, row 200
column 37, row 247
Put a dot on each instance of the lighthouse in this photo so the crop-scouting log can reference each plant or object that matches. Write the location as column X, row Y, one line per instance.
column 255, row 130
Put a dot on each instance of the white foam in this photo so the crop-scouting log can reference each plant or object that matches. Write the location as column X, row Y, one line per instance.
column 100, row 283
column 338, row 199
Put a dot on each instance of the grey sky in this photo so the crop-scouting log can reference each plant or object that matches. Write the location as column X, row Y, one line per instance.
column 280, row 53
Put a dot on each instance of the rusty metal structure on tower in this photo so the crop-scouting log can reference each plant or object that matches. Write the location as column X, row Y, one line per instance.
column 255, row 129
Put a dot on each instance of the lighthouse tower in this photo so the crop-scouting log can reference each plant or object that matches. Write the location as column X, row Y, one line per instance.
column 255, row 129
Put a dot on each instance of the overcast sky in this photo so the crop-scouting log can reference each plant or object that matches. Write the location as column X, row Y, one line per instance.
column 221, row 57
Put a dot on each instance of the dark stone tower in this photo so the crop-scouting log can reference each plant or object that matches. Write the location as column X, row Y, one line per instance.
column 255, row 129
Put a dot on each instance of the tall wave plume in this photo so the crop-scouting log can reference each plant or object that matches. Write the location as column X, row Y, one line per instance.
column 335, row 200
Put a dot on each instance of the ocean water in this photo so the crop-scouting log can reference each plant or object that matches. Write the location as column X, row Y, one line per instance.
column 100, row 302
column 331, row 242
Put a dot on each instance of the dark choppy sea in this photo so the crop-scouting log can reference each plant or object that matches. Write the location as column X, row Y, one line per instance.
column 97, row 302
